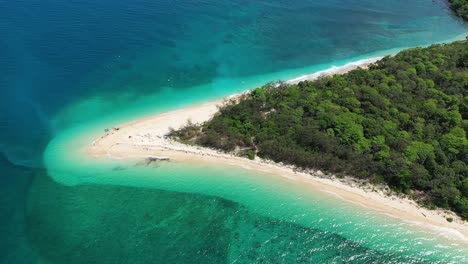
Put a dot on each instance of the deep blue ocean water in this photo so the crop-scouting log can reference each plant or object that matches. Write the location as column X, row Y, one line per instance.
column 57, row 57
column 57, row 52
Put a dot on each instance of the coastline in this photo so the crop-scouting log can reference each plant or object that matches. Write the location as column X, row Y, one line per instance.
column 145, row 139
column 364, row 63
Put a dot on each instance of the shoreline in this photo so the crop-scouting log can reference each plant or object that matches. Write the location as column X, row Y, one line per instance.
column 364, row 63
column 145, row 139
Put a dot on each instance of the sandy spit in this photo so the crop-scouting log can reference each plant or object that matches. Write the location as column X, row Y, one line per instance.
column 144, row 138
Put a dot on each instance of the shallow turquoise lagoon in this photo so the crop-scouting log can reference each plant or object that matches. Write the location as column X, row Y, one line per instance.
column 69, row 69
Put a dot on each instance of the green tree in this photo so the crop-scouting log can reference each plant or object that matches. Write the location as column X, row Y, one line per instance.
column 418, row 152
column 455, row 140
column 403, row 121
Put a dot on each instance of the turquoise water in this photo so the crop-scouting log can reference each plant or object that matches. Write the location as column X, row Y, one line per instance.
column 72, row 68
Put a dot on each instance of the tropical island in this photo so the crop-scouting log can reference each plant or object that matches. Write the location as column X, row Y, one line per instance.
column 403, row 122
column 396, row 124
column 234, row 131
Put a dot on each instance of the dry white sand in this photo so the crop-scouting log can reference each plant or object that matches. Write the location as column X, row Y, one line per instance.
column 145, row 138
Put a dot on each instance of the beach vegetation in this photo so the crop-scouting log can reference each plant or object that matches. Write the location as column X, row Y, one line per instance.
column 403, row 121
column 460, row 7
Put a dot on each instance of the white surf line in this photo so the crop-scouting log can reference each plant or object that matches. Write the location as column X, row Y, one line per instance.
column 333, row 70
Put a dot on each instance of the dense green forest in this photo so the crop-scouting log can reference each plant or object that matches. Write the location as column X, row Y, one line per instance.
column 460, row 7
column 403, row 122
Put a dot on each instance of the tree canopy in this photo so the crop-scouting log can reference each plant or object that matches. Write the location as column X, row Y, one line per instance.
column 460, row 7
column 403, row 122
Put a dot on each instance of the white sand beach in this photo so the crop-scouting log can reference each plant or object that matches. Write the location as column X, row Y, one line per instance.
column 144, row 138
